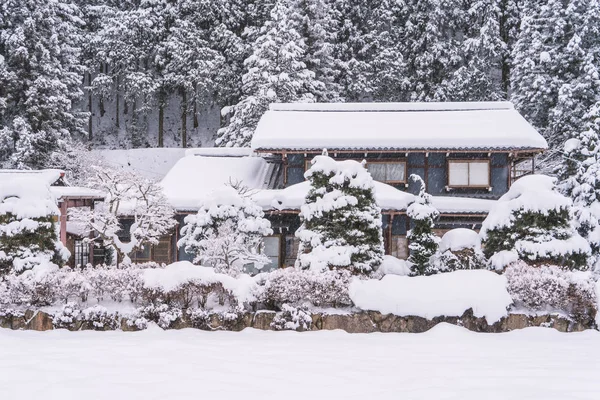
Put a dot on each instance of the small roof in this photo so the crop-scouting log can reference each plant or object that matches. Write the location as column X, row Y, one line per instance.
column 395, row 126
column 194, row 177
column 78, row 192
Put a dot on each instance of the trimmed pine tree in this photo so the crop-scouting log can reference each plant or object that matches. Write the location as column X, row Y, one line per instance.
column 534, row 221
column 341, row 222
column 423, row 243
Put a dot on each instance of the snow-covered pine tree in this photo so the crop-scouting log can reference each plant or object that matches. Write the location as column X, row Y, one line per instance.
column 480, row 55
column 28, row 228
column 534, row 221
column 40, row 79
column 555, row 75
column 423, row 243
column 317, row 27
column 275, row 72
column 341, row 222
column 581, row 181
column 227, row 232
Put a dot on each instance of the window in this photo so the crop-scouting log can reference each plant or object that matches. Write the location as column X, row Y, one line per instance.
column 272, row 246
column 469, row 174
column 292, row 244
column 82, row 253
column 392, row 172
column 399, row 247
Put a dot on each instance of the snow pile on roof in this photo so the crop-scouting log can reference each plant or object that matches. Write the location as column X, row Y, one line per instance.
column 395, row 126
column 182, row 272
column 28, row 195
column 48, row 176
column 220, row 152
column 459, row 239
column 151, row 163
column 447, row 294
column 62, row 192
column 387, row 197
column 460, row 205
column 194, row 177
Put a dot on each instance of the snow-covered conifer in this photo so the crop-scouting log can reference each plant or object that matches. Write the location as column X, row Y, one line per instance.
column 459, row 249
column 227, row 232
column 534, row 220
column 581, row 180
column 40, row 77
column 423, row 243
column 341, row 222
column 275, row 72
column 28, row 228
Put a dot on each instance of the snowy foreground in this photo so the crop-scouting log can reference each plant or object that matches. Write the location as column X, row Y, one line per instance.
column 447, row 362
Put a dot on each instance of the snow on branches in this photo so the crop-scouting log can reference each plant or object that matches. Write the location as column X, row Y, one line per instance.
column 227, row 232
column 423, row 242
column 341, row 222
column 28, row 231
column 128, row 197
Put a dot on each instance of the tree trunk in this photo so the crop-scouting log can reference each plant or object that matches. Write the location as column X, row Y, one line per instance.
column 117, row 103
column 161, row 123
column 184, row 112
column 195, row 107
column 90, row 121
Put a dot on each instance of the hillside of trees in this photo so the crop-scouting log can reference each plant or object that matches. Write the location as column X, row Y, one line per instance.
column 182, row 73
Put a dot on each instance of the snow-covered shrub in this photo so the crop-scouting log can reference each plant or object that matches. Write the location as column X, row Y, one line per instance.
column 534, row 220
column 127, row 195
column 423, row 242
column 297, row 287
column 292, row 318
column 35, row 287
column 163, row 314
column 227, row 232
column 459, row 249
column 67, row 316
column 550, row 288
column 341, row 222
column 28, row 231
column 99, row 318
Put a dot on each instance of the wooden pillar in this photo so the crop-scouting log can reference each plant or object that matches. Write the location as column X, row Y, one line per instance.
column 63, row 222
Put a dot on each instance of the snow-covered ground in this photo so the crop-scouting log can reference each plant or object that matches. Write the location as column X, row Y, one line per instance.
column 447, row 362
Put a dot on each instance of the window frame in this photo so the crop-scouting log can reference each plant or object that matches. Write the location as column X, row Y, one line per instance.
column 469, row 162
column 384, row 161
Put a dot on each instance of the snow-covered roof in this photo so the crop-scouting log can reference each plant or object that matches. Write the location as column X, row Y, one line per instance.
column 48, row 176
column 395, row 126
column 388, row 198
column 193, row 177
column 62, row 192
column 153, row 163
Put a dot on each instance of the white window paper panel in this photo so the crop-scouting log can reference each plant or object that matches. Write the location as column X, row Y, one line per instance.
column 388, row 172
column 479, row 174
column 458, row 174
column 395, row 172
column 378, row 171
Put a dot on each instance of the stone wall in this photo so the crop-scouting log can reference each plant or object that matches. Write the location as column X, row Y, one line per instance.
column 361, row 322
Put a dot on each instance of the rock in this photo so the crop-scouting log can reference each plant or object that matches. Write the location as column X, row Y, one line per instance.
column 241, row 322
column 262, row 320
column 516, row 321
column 18, row 323
column 559, row 323
column 351, row 323
column 29, row 314
column 6, row 321
column 125, row 327
column 390, row 323
column 40, row 321
column 317, row 322
column 416, row 324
